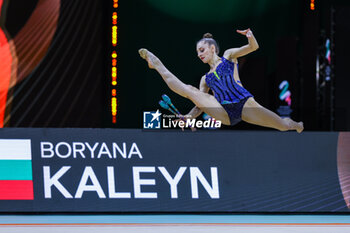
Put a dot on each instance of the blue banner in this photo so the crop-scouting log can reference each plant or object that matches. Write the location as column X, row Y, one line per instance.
column 116, row 170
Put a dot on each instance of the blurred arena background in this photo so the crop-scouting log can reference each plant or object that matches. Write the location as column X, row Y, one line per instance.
column 73, row 92
column 69, row 84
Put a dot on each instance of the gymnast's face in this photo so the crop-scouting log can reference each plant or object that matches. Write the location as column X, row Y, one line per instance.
column 205, row 52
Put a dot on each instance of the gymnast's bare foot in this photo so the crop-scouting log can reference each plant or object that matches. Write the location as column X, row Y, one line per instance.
column 152, row 60
column 300, row 127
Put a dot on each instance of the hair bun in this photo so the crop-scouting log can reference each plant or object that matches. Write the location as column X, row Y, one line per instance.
column 208, row 35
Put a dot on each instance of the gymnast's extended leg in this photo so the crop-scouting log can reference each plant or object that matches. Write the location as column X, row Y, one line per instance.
column 254, row 113
column 171, row 80
column 204, row 101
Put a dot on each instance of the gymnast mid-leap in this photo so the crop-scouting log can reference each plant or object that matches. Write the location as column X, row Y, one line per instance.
column 231, row 102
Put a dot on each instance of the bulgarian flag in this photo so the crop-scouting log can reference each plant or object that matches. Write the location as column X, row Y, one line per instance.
column 16, row 178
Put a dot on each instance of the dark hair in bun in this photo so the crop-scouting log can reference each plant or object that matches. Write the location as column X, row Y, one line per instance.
column 208, row 39
column 208, row 35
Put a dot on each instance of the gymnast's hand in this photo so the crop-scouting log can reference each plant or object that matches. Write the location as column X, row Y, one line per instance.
column 248, row 33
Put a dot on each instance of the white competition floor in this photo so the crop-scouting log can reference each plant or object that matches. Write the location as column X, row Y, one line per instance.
column 175, row 223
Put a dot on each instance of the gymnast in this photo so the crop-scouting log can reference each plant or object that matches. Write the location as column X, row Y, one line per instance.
column 231, row 102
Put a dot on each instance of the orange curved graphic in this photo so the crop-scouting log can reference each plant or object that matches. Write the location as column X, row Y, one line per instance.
column 343, row 161
column 5, row 68
column 20, row 55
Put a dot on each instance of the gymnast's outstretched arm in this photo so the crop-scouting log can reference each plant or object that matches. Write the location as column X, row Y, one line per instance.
column 244, row 50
